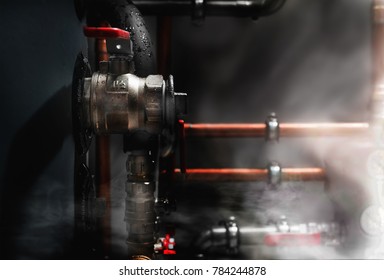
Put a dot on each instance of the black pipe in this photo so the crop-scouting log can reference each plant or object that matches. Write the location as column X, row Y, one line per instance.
column 124, row 15
column 220, row 238
column 253, row 8
column 217, row 237
column 198, row 8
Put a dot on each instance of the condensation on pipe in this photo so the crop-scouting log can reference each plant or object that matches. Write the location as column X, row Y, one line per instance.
column 236, row 8
column 125, row 15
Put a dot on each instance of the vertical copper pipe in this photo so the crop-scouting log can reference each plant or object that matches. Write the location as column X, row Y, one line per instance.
column 378, row 61
column 103, row 173
column 182, row 149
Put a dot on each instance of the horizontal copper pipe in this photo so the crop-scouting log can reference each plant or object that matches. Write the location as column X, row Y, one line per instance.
column 286, row 129
column 248, row 175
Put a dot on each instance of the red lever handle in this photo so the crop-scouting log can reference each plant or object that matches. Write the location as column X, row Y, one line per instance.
column 106, row 32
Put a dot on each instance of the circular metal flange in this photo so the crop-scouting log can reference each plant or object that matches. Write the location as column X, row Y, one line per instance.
column 168, row 139
column 86, row 199
column 82, row 132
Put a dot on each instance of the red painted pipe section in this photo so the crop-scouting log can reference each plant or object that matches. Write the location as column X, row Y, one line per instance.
column 247, row 175
column 286, row 129
column 103, row 166
column 292, row 239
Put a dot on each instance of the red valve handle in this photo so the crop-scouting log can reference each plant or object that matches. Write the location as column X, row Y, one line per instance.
column 106, row 32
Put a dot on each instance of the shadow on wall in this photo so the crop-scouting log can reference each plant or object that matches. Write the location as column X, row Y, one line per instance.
column 33, row 148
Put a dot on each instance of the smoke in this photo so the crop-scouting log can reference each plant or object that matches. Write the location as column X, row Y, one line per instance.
column 49, row 230
column 119, row 178
column 310, row 62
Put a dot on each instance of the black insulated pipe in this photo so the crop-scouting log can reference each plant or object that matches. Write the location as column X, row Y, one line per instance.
column 201, row 8
column 198, row 8
column 124, row 15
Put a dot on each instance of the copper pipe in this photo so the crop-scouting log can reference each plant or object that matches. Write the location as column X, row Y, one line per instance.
column 103, row 165
column 247, row 175
column 102, row 52
column 378, row 61
column 182, row 150
column 286, row 129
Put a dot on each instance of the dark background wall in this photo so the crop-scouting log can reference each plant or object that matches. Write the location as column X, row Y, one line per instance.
column 40, row 42
column 309, row 62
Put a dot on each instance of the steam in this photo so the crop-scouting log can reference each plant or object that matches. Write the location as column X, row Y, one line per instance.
column 309, row 63
column 46, row 221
